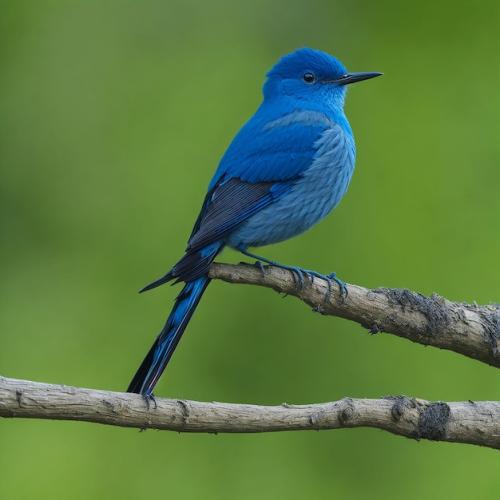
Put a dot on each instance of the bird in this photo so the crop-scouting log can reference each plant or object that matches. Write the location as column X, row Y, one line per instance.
column 286, row 169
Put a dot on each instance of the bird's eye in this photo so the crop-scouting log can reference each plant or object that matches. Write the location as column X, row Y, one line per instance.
column 309, row 77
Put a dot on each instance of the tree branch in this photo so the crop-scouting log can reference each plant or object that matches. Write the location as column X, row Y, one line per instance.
column 471, row 330
column 468, row 329
column 463, row 422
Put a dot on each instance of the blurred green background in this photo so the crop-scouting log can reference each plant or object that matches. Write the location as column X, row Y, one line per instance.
column 113, row 116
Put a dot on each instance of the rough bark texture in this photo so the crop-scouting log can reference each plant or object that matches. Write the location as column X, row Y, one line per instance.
column 468, row 329
column 463, row 422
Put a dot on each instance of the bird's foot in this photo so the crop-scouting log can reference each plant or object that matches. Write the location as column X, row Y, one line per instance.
column 344, row 292
column 258, row 264
column 261, row 267
column 298, row 274
column 330, row 279
column 333, row 278
column 148, row 399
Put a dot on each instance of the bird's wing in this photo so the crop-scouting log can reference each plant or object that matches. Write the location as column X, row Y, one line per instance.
column 231, row 203
column 262, row 163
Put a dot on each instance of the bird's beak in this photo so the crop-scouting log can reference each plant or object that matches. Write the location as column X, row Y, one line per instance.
column 354, row 77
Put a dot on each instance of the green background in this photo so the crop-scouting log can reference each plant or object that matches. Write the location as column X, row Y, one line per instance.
column 113, row 115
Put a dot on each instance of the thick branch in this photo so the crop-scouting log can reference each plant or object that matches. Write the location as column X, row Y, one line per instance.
column 471, row 330
column 464, row 422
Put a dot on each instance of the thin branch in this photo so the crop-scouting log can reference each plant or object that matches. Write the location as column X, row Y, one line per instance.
column 463, row 422
column 468, row 329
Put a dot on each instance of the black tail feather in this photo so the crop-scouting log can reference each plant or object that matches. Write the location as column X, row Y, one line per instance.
column 160, row 281
column 160, row 353
column 140, row 375
column 193, row 270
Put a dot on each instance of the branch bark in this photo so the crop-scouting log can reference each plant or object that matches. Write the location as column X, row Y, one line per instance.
column 468, row 329
column 462, row 422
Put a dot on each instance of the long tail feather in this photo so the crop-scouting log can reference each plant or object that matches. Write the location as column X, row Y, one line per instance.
column 160, row 353
column 192, row 269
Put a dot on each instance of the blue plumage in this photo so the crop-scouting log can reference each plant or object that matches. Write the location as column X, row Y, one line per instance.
column 285, row 170
column 318, row 190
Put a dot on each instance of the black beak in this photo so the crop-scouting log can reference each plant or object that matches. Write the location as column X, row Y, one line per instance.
column 353, row 78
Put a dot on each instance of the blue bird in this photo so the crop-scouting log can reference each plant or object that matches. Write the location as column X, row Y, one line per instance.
column 285, row 170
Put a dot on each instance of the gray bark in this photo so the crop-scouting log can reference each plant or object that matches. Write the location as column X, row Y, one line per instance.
column 461, row 422
column 468, row 329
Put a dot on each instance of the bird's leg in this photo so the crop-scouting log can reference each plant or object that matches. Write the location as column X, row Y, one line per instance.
column 298, row 275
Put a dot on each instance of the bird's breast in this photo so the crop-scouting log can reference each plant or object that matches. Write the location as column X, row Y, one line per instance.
column 312, row 196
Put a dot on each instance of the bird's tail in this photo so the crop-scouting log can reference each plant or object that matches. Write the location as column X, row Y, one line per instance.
column 160, row 353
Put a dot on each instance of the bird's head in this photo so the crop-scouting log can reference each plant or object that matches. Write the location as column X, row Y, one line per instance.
column 311, row 75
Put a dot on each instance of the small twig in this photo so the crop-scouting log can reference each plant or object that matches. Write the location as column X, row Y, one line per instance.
column 468, row 329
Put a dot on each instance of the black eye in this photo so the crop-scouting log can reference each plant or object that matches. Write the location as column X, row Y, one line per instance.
column 309, row 77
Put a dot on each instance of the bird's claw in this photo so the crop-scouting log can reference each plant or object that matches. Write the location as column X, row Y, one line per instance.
column 148, row 398
column 329, row 278
column 298, row 276
column 344, row 292
column 260, row 265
